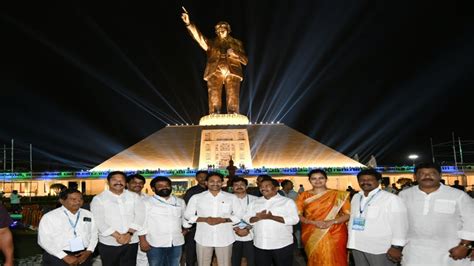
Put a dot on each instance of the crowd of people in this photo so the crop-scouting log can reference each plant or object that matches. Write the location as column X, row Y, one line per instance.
column 426, row 224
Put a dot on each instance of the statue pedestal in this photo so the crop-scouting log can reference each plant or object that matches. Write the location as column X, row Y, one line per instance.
column 219, row 145
column 223, row 120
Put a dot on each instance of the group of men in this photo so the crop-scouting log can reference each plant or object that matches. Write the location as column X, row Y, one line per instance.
column 131, row 228
column 427, row 224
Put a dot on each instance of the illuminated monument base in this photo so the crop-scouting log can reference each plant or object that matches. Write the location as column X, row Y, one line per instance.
column 254, row 146
column 223, row 119
column 219, row 145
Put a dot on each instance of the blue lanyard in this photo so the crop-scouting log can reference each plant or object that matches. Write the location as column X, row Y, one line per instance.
column 366, row 203
column 75, row 224
column 164, row 202
column 247, row 200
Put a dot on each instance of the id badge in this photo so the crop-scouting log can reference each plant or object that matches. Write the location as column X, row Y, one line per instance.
column 76, row 244
column 358, row 224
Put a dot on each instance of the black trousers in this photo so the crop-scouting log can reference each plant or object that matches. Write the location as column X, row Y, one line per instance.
column 242, row 249
column 50, row 260
column 277, row 257
column 125, row 255
column 190, row 247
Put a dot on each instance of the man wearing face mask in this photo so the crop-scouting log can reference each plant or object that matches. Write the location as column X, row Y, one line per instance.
column 162, row 236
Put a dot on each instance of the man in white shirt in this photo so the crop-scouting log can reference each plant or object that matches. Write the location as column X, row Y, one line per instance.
column 135, row 183
column 68, row 234
column 272, row 217
column 378, row 224
column 243, row 245
column 119, row 213
column 162, row 237
column 189, row 242
column 440, row 218
column 214, row 211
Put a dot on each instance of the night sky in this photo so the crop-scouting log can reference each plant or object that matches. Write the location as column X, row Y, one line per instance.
column 81, row 81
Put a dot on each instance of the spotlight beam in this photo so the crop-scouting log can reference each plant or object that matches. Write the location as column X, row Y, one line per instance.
column 89, row 21
column 86, row 68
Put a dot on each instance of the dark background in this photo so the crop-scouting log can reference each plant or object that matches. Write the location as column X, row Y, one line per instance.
column 81, row 81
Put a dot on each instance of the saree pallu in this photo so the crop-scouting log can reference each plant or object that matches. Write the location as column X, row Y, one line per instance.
column 324, row 246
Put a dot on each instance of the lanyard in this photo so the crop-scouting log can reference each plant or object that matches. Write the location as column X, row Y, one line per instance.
column 164, row 202
column 75, row 224
column 366, row 203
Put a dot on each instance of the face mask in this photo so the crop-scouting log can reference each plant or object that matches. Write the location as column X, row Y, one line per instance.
column 164, row 192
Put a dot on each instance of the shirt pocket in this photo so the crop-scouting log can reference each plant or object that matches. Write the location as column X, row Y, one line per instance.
column 176, row 211
column 445, row 206
column 225, row 208
column 373, row 212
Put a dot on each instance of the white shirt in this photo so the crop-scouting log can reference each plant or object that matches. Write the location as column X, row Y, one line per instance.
column 55, row 230
column 244, row 203
column 163, row 222
column 438, row 221
column 386, row 222
column 142, row 259
column 117, row 213
column 223, row 205
column 270, row 234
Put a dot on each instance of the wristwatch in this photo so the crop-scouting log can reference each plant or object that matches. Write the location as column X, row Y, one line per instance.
column 130, row 233
column 466, row 245
column 397, row 247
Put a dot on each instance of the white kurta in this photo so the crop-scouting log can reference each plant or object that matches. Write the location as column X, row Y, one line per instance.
column 223, row 205
column 269, row 234
column 437, row 223
column 117, row 213
column 385, row 222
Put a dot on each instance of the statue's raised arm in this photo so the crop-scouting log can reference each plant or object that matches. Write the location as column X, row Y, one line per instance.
column 194, row 31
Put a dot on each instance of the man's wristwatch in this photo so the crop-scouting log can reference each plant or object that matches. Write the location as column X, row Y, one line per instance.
column 397, row 247
column 466, row 245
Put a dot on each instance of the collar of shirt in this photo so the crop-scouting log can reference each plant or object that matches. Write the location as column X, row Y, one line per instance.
column 64, row 209
column 171, row 200
column 440, row 189
column 117, row 196
column 370, row 193
column 273, row 198
column 219, row 194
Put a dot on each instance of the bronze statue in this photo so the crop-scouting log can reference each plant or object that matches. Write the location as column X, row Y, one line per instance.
column 225, row 57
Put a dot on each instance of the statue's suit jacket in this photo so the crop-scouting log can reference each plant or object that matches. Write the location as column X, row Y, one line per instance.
column 213, row 48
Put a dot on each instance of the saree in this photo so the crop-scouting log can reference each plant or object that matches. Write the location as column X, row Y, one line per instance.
column 324, row 246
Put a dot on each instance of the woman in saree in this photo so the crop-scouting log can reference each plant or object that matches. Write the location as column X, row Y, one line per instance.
column 324, row 213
